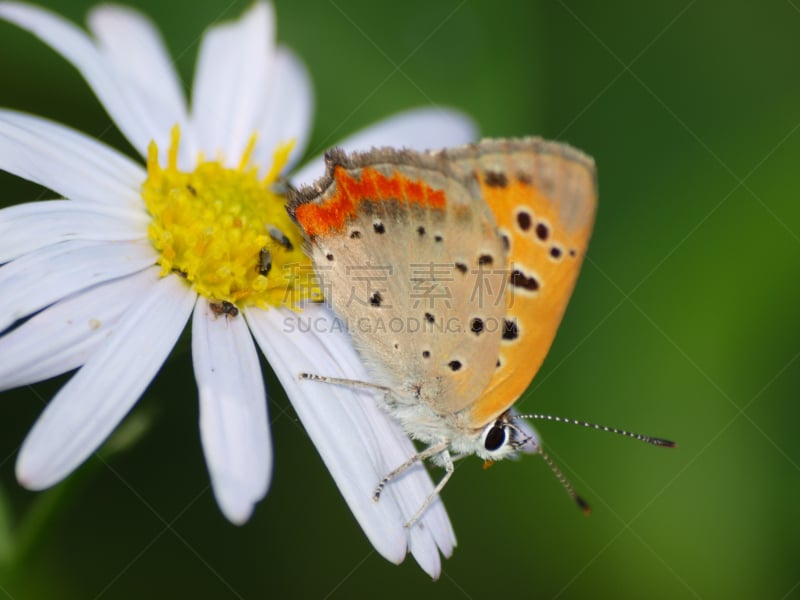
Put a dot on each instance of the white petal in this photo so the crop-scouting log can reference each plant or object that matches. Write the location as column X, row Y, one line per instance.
column 411, row 490
column 138, row 112
column 418, row 129
column 88, row 408
column 333, row 428
column 49, row 274
column 288, row 110
column 34, row 225
column 434, row 532
column 137, row 54
column 64, row 336
column 233, row 411
column 357, row 441
column 67, row 161
column 230, row 84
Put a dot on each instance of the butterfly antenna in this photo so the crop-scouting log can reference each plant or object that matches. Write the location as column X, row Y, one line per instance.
column 582, row 504
column 655, row 441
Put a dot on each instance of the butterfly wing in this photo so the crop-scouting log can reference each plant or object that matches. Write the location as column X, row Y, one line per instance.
column 408, row 255
column 543, row 196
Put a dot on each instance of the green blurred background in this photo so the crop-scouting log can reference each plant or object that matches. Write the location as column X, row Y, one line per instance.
column 684, row 323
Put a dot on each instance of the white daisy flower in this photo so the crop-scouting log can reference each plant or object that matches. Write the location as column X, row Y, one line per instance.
column 105, row 278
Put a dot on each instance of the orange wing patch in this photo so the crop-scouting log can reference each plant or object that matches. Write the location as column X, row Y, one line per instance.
column 547, row 239
column 332, row 215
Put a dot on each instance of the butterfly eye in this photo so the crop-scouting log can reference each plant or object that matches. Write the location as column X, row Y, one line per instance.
column 495, row 438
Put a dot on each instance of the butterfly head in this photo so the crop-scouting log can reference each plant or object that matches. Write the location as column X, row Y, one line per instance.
column 503, row 438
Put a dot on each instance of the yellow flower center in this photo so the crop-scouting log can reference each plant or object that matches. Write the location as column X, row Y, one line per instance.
column 227, row 231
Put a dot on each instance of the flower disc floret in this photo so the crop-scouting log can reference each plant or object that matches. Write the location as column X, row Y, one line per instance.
column 226, row 230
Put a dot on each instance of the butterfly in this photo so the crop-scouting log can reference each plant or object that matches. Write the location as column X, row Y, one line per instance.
column 452, row 271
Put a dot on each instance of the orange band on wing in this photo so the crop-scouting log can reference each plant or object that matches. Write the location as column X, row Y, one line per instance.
column 372, row 186
column 537, row 315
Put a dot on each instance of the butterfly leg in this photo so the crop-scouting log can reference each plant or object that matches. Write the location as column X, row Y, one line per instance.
column 354, row 383
column 440, row 448
column 448, row 471
column 388, row 398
